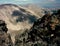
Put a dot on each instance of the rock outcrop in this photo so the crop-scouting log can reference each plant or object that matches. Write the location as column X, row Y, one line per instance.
column 44, row 32
column 5, row 38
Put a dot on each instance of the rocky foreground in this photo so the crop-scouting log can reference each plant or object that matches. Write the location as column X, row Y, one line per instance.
column 44, row 32
column 5, row 38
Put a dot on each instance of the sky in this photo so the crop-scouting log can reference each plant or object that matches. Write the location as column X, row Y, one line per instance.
column 43, row 3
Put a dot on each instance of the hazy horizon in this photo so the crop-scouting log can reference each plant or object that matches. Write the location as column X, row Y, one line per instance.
column 42, row 3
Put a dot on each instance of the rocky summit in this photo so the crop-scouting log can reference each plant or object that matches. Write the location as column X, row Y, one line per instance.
column 44, row 32
column 5, row 38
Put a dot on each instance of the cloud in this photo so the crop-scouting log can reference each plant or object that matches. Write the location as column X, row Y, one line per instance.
column 52, row 0
column 25, row 0
column 21, row 0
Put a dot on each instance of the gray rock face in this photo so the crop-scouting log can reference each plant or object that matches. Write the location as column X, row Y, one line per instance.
column 5, row 38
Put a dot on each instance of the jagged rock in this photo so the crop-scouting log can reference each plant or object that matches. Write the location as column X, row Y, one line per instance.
column 47, row 28
column 44, row 32
column 5, row 38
